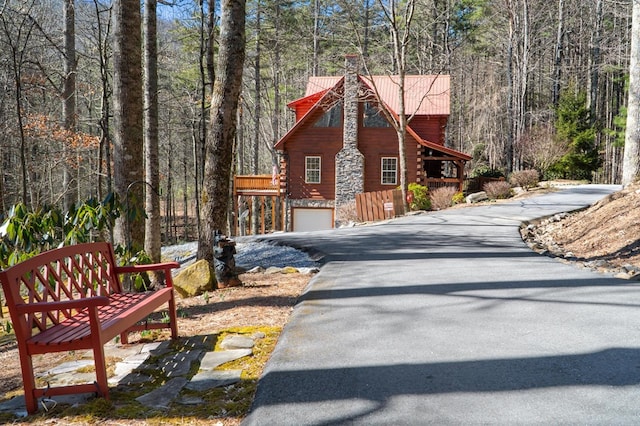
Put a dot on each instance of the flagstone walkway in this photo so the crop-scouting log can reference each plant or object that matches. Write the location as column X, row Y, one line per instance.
column 137, row 360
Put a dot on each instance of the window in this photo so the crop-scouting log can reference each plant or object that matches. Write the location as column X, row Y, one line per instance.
column 389, row 170
column 312, row 169
column 373, row 117
column 331, row 118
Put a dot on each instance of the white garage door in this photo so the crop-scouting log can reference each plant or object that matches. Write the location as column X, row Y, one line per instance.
column 312, row 219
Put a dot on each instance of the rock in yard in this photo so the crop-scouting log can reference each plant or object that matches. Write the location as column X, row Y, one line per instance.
column 476, row 197
column 255, row 270
column 195, row 280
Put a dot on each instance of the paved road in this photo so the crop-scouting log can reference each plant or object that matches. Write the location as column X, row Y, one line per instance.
column 448, row 318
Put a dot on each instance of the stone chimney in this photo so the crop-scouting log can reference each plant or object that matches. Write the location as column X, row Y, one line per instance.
column 349, row 160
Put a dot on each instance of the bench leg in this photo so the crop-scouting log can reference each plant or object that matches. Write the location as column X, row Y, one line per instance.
column 173, row 318
column 101, row 371
column 29, row 384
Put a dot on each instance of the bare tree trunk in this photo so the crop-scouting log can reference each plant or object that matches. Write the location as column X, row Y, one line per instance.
column 592, row 102
column 522, row 84
column 211, row 17
column 169, row 218
column 224, row 108
column 365, row 36
column 316, row 37
column 17, row 34
column 207, row 74
column 105, row 112
column 257, row 116
column 631, row 165
column 240, row 145
column 152, row 242
column 510, row 87
column 276, row 109
column 128, row 141
column 68, row 94
column 400, row 28
column 559, row 52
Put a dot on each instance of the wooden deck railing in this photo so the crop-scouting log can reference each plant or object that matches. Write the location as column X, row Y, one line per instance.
column 244, row 185
column 432, row 183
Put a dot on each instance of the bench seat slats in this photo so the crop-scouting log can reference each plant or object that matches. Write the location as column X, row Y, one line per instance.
column 123, row 312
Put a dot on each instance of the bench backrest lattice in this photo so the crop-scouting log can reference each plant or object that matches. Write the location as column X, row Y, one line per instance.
column 68, row 275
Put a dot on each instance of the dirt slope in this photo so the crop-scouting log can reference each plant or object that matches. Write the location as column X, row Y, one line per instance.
column 607, row 233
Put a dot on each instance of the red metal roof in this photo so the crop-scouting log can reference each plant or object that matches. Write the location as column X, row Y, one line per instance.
column 424, row 94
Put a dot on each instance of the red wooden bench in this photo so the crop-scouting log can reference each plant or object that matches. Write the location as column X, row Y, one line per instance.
column 70, row 299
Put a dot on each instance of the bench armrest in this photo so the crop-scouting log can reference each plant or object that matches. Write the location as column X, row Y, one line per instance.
column 129, row 269
column 85, row 302
column 165, row 266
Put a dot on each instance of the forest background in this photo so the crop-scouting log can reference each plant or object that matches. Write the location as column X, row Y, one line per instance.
column 535, row 84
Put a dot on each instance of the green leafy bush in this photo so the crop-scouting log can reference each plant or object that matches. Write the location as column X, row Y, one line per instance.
column 26, row 233
column 138, row 281
column 458, row 198
column 486, row 171
column 421, row 200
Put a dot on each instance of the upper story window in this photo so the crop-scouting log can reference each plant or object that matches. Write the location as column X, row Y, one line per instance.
column 389, row 174
column 312, row 166
column 373, row 117
column 331, row 117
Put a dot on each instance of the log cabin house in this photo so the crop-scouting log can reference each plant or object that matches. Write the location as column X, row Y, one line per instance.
column 342, row 144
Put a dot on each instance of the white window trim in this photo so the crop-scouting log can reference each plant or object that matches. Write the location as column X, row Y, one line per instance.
column 306, row 169
column 382, row 171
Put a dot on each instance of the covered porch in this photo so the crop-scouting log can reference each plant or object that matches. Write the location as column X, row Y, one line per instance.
column 442, row 167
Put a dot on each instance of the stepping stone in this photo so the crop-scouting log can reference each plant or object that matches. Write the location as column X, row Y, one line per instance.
column 210, row 379
column 237, row 342
column 129, row 379
column 71, row 378
column 125, row 367
column 120, row 351
column 190, row 400
column 73, row 399
column 162, row 396
column 179, row 364
column 15, row 405
column 68, row 367
column 156, row 348
column 18, row 407
column 128, row 364
column 212, row 360
column 206, row 342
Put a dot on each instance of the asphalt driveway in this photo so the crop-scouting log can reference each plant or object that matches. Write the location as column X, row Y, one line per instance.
column 449, row 318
